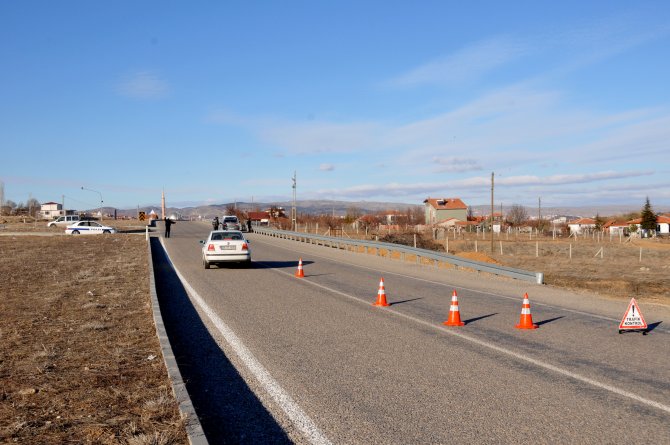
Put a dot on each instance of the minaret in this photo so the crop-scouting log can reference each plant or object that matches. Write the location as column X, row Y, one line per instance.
column 163, row 204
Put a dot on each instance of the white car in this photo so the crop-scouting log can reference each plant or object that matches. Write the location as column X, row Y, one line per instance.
column 224, row 246
column 230, row 223
column 88, row 228
column 63, row 221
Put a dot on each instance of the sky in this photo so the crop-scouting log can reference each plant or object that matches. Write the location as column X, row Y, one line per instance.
column 394, row 101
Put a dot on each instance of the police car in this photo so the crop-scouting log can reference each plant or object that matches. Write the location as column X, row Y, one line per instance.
column 88, row 228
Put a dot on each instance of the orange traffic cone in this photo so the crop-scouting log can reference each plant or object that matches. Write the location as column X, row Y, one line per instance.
column 454, row 314
column 526, row 321
column 300, row 273
column 381, row 295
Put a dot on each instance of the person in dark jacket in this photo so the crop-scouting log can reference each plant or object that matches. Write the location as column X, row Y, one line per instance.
column 249, row 225
column 168, row 223
column 215, row 223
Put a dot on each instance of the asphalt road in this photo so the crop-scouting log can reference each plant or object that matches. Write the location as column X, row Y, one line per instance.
column 273, row 358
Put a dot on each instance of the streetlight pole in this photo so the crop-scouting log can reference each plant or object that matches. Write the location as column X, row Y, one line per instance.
column 95, row 191
column 294, row 216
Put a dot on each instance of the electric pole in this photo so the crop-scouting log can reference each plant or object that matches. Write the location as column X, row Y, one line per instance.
column 539, row 214
column 294, row 220
column 492, row 174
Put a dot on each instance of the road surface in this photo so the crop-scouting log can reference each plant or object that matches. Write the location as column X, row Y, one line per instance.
column 282, row 359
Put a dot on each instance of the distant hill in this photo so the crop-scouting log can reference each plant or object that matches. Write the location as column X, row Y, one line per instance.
column 310, row 207
column 341, row 208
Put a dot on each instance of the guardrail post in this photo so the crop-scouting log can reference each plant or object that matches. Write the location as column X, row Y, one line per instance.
column 540, row 277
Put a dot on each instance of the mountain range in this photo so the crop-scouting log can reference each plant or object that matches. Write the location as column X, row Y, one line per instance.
column 341, row 208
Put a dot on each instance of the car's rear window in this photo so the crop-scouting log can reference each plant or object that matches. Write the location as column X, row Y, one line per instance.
column 220, row 236
column 230, row 219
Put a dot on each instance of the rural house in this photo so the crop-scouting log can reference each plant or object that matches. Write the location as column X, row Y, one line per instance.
column 442, row 209
column 51, row 210
column 663, row 225
column 582, row 225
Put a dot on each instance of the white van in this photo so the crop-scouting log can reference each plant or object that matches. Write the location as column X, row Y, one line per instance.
column 63, row 221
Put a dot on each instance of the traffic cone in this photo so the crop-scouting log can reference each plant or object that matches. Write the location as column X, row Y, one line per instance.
column 300, row 273
column 526, row 320
column 454, row 314
column 381, row 295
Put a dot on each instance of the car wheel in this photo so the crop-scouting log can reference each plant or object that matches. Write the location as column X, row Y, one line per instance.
column 75, row 232
column 205, row 263
column 106, row 231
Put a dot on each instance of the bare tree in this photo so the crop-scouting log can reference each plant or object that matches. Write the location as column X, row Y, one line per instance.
column 9, row 207
column 353, row 213
column 418, row 215
column 517, row 215
column 33, row 206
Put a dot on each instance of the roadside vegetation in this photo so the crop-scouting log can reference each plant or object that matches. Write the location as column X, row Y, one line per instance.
column 79, row 358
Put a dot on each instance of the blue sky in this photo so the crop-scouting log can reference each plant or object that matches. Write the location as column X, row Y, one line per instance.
column 378, row 101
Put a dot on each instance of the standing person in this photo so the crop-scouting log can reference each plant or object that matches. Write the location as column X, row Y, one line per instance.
column 249, row 225
column 215, row 223
column 168, row 223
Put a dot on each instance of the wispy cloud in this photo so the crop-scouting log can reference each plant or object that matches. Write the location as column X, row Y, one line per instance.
column 143, row 85
column 467, row 64
column 397, row 189
column 326, row 167
column 321, row 137
column 456, row 164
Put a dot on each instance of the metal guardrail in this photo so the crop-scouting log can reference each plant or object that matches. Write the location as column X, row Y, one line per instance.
column 340, row 243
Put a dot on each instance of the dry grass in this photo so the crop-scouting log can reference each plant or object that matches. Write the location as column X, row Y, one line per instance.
column 79, row 357
column 577, row 264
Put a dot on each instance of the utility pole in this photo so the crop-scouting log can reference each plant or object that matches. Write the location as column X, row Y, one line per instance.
column 294, row 219
column 539, row 213
column 492, row 174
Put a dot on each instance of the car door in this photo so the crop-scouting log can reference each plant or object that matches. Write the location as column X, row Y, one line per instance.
column 95, row 228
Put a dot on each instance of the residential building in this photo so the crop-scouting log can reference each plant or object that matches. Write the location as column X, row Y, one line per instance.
column 582, row 225
column 51, row 210
column 663, row 225
column 442, row 209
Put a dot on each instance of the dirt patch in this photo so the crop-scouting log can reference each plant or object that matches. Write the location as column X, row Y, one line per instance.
column 477, row 256
column 79, row 357
column 612, row 268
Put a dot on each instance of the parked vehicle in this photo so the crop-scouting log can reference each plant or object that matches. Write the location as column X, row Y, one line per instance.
column 231, row 223
column 88, row 228
column 63, row 221
column 224, row 246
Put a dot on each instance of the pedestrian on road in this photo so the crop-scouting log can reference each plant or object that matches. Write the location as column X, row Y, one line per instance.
column 168, row 223
column 215, row 223
column 249, row 225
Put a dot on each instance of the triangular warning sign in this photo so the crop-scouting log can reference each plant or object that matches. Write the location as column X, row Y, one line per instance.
column 633, row 318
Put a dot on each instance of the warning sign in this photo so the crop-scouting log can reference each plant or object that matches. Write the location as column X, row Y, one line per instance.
column 633, row 318
column 142, row 216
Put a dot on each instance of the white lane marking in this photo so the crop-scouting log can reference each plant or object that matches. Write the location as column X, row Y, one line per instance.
column 299, row 418
column 425, row 280
column 500, row 349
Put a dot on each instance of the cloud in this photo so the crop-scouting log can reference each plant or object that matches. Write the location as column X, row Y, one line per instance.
column 475, row 185
column 143, row 85
column 321, row 137
column 327, row 167
column 464, row 65
column 455, row 164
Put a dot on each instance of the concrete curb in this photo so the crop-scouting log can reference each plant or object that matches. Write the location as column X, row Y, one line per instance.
column 196, row 435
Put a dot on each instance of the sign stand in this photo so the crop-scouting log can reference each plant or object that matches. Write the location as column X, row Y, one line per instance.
column 633, row 320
